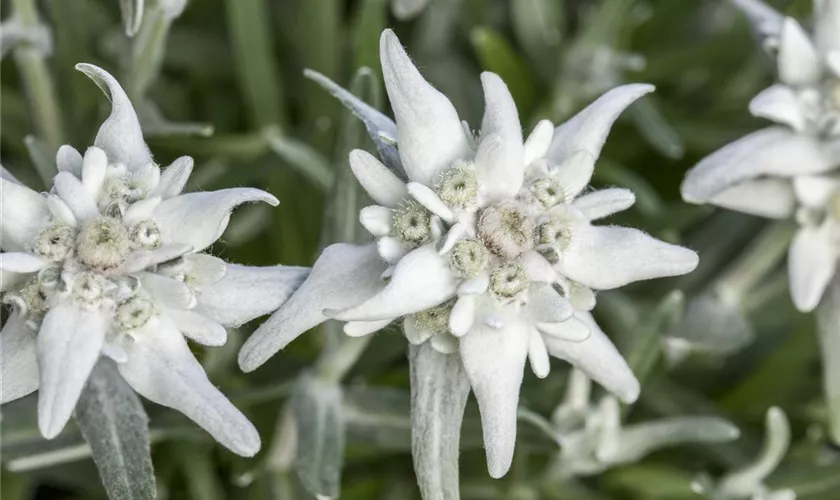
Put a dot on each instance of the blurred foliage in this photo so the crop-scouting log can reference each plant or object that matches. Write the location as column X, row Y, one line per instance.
column 236, row 67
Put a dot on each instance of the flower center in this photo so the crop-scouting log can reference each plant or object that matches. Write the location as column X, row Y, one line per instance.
column 435, row 319
column 54, row 242
column 508, row 281
column 134, row 312
column 554, row 232
column 88, row 288
column 412, row 223
column 103, row 244
column 458, row 186
column 146, row 235
column 469, row 257
column 506, row 229
column 547, row 192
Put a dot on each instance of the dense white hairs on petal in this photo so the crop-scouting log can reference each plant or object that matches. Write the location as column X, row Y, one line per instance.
column 603, row 203
column 494, row 361
column 174, row 178
column 765, row 20
column 798, row 60
column 574, row 173
column 383, row 186
column 21, row 262
column 422, row 279
column 23, row 213
column 538, row 355
column 572, row 329
column 462, row 317
column 815, row 191
column 598, row 358
column 606, row 257
column 429, row 199
column 120, row 135
column 429, row 132
column 76, row 196
column 500, row 155
column 827, row 25
column 69, row 344
column 248, row 292
column 18, row 358
column 769, row 197
column 538, row 141
column 342, row 276
column 780, row 104
column 362, row 328
column 774, row 151
column 94, row 167
column 588, row 130
column 161, row 368
column 141, row 259
column 812, row 261
column 167, row 291
column 67, row 159
column 546, row 305
column 199, row 219
column 376, row 220
column 376, row 123
column 198, row 327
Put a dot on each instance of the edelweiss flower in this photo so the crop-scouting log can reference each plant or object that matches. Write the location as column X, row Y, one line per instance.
column 485, row 245
column 108, row 263
column 786, row 171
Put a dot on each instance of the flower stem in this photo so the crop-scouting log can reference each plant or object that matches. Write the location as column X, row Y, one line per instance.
column 760, row 258
column 147, row 53
column 38, row 84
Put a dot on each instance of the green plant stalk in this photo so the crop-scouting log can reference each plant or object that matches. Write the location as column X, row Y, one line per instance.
column 147, row 53
column 334, row 364
column 38, row 83
column 752, row 266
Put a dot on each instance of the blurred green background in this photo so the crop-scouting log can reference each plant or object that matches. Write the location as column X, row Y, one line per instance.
column 236, row 67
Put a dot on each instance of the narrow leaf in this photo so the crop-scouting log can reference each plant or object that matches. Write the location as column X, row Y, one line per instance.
column 439, row 390
column 114, row 424
column 132, row 15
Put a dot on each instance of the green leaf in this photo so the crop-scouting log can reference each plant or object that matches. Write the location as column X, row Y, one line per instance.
column 496, row 55
column 301, row 157
column 42, row 158
column 320, row 422
column 114, row 424
column 537, row 27
column 132, row 15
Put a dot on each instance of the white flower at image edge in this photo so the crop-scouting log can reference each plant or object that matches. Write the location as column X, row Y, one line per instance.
column 788, row 170
column 485, row 247
column 109, row 263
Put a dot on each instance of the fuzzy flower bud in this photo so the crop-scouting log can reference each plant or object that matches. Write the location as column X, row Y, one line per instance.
column 103, row 244
column 506, row 229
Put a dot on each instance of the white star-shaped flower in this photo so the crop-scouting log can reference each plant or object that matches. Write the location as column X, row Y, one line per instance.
column 110, row 262
column 485, row 245
column 788, row 170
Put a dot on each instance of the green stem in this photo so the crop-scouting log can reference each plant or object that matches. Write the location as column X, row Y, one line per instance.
column 38, row 84
column 334, row 364
column 147, row 53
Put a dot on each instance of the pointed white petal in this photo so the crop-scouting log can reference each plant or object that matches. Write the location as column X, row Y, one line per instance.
column 603, row 203
column 500, row 156
column 606, row 257
column 444, row 343
column 598, row 358
column 69, row 344
column 574, row 173
column 475, row 286
column 815, row 191
column 120, row 135
column 462, row 317
column 198, row 219
column 780, row 104
column 73, row 193
column 414, row 333
column 774, row 151
column 422, row 279
column 429, row 199
column 798, row 60
column 581, row 297
column 161, row 368
column 538, row 355
column 141, row 210
column 588, row 130
column 376, row 220
column 547, row 306
column 60, row 211
column 114, row 352
column 494, row 361
column 142, row 259
column 391, row 249
column 812, row 260
column 167, row 291
column 94, row 166
column 203, row 269
column 380, row 183
column 174, row 178
column 18, row 358
column 21, row 262
column 342, row 276
column 456, row 233
column 246, row 292
column 570, row 330
column 67, row 159
column 23, row 213
column 429, row 131
column 767, row 197
column 362, row 328
column 198, row 327
column 536, row 145
column 538, row 268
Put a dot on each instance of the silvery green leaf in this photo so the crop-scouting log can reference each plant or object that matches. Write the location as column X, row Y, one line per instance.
column 114, row 424
column 656, row 129
column 132, row 15
column 381, row 129
column 536, row 25
column 637, row 441
column 42, row 158
column 646, row 348
column 828, row 329
column 13, row 33
column 155, row 124
column 749, row 479
column 301, row 157
column 320, row 423
column 439, row 390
